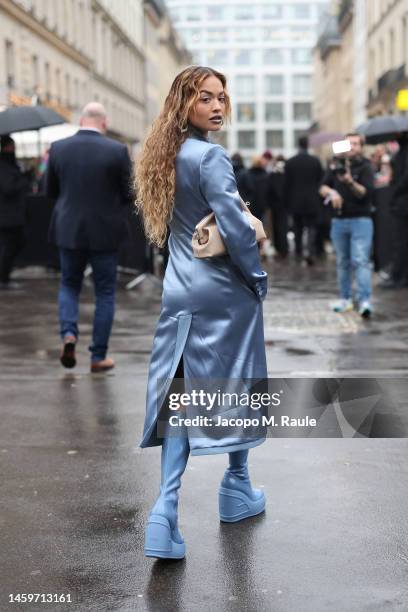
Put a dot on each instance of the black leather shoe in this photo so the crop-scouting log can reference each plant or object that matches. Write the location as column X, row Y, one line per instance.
column 68, row 359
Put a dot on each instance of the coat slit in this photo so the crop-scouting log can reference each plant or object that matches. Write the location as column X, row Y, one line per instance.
column 176, row 371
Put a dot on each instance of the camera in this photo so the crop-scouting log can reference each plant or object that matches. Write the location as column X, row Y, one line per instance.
column 339, row 165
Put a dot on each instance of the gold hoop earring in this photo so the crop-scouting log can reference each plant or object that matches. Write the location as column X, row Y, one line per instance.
column 183, row 129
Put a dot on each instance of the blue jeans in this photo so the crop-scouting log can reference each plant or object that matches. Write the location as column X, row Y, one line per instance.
column 73, row 264
column 352, row 240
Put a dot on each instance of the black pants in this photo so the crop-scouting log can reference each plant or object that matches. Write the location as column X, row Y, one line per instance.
column 11, row 243
column 280, row 229
column 300, row 223
column 400, row 253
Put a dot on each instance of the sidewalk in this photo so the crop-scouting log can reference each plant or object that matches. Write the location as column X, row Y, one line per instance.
column 76, row 490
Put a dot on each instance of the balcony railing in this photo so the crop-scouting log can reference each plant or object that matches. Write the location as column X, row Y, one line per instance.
column 329, row 35
column 391, row 78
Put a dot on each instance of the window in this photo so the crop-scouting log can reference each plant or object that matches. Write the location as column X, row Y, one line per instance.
column 301, row 33
column 301, row 56
column 81, row 27
column 302, row 84
column 58, row 84
column 273, row 57
column 75, row 93
column 246, row 112
column 10, row 63
column 392, row 47
column 194, row 35
column 300, row 11
column 302, row 111
column 174, row 14
column 193, row 13
column 271, row 11
column 273, row 111
column 246, row 139
column 245, row 12
column 217, row 35
column 217, row 57
column 274, row 139
column 35, row 72
column 47, row 80
column 215, row 12
column 245, row 57
column 244, row 85
column 68, row 89
column 275, row 33
column 273, row 84
column 246, row 34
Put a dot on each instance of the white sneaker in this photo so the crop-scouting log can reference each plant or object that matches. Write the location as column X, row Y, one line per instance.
column 365, row 310
column 343, row 306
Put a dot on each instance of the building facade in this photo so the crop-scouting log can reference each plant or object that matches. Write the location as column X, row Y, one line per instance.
column 361, row 62
column 387, row 45
column 265, row 50
column 326, row 110
column 334, row 62
column 165, row 56
column 64, row 53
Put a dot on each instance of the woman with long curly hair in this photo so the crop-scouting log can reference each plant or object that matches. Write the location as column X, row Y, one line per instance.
column 211, row 322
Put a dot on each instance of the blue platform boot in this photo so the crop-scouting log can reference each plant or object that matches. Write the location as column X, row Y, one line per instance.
column 237, row 499
column 163, row 539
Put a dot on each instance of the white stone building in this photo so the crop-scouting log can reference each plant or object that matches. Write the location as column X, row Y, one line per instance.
column 264, row 47
column 68, row 52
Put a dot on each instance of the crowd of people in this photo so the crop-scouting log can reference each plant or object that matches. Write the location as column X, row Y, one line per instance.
column 335, row 205
column 320, row 208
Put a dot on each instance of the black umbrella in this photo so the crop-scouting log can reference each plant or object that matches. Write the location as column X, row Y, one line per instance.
column 22, row 118
column 384, row 128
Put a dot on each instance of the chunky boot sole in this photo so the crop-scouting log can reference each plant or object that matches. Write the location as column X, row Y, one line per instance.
column 158, row 542
column 235, row 506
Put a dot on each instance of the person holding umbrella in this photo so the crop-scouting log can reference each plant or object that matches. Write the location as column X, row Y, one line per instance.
column 13, row 189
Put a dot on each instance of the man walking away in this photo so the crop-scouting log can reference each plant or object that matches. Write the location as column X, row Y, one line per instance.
column 303, row 174
column 89, row 175
column 13, row 190
column 349, row 186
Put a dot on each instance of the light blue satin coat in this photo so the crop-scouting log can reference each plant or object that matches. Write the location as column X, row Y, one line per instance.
column 211, row 308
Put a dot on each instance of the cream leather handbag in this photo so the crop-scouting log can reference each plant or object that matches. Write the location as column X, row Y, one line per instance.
column 207, row 242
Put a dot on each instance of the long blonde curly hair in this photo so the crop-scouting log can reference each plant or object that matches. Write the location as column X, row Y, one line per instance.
column 155, row 171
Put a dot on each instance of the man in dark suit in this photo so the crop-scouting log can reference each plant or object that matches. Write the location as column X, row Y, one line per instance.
column 13, row 189
column 89, row 175
column 303, row 174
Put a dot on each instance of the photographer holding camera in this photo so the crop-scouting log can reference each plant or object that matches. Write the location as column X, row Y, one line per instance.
column 348, row 187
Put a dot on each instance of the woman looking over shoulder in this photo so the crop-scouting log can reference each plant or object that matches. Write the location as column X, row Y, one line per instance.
column 211, row 322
